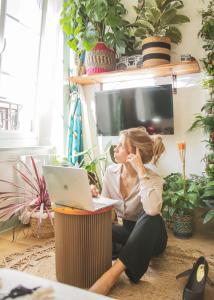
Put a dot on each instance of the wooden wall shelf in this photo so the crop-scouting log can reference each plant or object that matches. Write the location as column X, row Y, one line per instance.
column 180, row 68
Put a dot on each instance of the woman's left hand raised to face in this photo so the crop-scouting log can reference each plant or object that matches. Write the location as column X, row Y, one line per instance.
column 136, row 162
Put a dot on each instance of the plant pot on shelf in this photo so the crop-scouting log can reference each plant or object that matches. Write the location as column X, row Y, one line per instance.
column 156, row 51
column 100, row 59
column 182, row 226
column 43, row 230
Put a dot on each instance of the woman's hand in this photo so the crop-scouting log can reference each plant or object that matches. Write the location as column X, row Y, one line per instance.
column 136, row 163
column 94, row 190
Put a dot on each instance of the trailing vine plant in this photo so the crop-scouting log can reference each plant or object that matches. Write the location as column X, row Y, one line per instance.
column 205, row 119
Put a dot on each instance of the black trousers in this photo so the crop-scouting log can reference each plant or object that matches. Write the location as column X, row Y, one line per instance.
column 134, row 243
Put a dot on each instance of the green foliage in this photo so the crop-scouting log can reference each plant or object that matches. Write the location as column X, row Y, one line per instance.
column 159, row 18
column 203, row 121
column 207, row 34
column 209, row 85
column 209, row 158
column 93, row 164
column 208, row 199
column 58, row 160
column 85, row 22
column 209, row 216
column 208, row 107
column 179, row 195
column 210, row 169
column 208, row 191
column 208, row 63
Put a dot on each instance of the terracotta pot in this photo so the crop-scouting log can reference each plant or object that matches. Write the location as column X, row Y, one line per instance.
column 156, row 51
column 100, row 59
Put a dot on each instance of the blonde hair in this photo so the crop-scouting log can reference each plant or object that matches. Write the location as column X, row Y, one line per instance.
column 151, row 147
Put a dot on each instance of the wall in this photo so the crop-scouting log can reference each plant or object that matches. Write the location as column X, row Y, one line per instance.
column 187, row 102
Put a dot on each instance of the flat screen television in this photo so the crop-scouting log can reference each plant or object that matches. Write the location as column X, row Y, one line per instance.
column 151, row 107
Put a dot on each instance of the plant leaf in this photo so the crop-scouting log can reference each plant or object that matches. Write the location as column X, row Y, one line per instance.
column 174, row 34
column 209, row 216
column 180, row 19
column 168, row 16
column 144, row 24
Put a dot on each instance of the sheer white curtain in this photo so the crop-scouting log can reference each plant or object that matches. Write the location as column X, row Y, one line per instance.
column 90, row 138
column 50, row 80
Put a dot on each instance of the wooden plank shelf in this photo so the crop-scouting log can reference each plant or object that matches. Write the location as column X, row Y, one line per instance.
column 180, row 68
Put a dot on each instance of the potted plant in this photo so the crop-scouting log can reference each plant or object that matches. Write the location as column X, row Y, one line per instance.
column 156, row 24
column 96, row 27
column 205, row 119
column 94, row 165
column 181, row 195
column 180, row 198
column 30, row 198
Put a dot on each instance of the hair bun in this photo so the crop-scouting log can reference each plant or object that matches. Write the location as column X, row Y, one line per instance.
column 158, row 147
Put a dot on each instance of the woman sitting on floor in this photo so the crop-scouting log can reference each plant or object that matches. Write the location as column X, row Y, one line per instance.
column 143, row 232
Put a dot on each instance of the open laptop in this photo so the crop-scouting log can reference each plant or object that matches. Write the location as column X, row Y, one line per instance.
column 69, row 186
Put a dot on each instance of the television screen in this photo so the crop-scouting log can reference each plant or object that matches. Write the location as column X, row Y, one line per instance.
column 151, row 107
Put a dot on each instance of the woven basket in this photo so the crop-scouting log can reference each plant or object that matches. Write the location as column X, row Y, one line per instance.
column 156, row 51
column 182, row 226
column 100, row 59
column 43, row 230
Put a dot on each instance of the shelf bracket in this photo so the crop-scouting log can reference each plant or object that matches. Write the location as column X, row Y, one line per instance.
column 174, row 84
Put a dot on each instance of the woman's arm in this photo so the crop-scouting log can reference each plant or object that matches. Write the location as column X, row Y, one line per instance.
column 151, row 186
column 151, row 195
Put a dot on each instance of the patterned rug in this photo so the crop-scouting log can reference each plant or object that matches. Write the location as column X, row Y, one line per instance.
column 158, row 283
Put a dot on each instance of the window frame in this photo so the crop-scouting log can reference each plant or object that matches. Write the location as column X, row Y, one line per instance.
column 19, row 137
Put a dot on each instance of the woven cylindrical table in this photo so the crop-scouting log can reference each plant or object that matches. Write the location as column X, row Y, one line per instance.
column 83, row 245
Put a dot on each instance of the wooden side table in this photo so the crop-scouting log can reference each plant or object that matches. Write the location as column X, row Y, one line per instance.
column 83, row 245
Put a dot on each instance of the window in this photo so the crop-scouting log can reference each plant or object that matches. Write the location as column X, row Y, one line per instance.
column 21, row 27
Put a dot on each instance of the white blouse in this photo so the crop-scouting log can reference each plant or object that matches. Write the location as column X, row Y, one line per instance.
column 146, row 194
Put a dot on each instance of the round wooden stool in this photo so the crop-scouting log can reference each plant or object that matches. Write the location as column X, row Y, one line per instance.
column 83, row 245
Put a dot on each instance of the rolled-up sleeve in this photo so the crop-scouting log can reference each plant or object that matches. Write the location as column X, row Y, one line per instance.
column 151, row 195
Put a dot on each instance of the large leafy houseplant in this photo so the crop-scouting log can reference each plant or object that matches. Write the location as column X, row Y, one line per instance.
column 205, row 119
column 30, row 195
column 180, row 195
column 159, row 18
column 86, row 22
